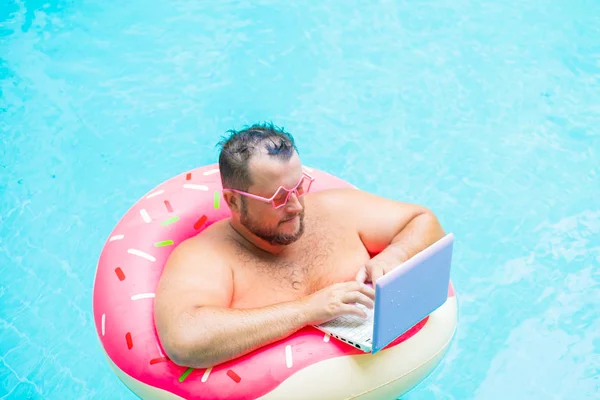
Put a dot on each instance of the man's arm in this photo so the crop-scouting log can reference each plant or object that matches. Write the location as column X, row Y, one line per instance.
column 393, row 230
column 193, row 319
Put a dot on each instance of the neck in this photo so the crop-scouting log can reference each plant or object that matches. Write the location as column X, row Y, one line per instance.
column 254, row 241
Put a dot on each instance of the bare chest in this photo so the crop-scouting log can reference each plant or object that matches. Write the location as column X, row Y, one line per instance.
column 321, row 258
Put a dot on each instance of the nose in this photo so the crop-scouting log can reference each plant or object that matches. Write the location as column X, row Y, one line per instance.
column 293, row 204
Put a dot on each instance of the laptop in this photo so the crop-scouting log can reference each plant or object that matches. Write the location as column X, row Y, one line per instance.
column 403, row 297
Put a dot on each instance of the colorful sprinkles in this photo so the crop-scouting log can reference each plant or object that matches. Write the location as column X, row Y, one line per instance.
column 234, row 376
column 216, row 201
column 211, row 171
column 151, row 195
column 170, row 221
column 120, row 274
column 163, row 243
column 140, row 253
column 168, row 206
column 200, row 222
column 195, row 187
column 129, row 340
column 158, row 360
column 145, row 216
column 141, row 296
column 185, row 374
column 206, row 374
column 288, row 356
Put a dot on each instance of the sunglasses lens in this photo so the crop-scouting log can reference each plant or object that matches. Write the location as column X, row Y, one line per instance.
column 280, row 198
column 303, row 187
column 282, row 195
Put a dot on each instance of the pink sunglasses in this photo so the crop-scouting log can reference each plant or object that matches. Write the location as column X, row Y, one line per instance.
column 282, row 194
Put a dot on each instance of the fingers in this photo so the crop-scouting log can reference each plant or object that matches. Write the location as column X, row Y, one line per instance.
column 348, row 297
column 361, row 275
column 360, row 287
column 358, row 297
column 353, row 310
column 376, row 273
column 373, row 271
column 368, row 290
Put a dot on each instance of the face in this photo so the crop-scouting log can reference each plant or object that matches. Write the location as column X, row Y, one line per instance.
column 281, row 226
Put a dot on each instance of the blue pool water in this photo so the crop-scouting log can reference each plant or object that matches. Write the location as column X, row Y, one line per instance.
column 489, row 114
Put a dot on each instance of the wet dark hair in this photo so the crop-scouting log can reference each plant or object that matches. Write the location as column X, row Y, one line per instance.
column 239, row 146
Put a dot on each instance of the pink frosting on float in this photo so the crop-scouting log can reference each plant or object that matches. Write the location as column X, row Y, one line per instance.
column 129, row 269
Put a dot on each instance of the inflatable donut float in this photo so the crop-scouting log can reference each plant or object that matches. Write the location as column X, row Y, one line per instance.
column 306, row 365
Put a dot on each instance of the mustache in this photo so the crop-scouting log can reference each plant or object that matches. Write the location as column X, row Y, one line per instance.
column 289, row 217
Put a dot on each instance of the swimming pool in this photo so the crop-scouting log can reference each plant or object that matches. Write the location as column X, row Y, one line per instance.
column 488, row 114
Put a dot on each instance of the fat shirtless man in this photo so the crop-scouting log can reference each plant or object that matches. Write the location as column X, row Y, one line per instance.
column 286, row 258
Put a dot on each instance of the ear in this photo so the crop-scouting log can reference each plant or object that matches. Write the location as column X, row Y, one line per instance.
column 232, row 200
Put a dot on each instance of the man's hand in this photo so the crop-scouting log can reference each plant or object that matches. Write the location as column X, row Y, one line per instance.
column 371, row 272
column 380, row 265
column 337, row 300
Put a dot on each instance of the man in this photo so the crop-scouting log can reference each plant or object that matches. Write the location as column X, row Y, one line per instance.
column 285, row 259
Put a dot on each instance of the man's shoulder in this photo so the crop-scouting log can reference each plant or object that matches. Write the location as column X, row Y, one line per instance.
column 196, row 271
column 216, row 233
column 211, row 244
column 335, row 197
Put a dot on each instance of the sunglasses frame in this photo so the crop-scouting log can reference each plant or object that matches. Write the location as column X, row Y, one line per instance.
column 272, row 198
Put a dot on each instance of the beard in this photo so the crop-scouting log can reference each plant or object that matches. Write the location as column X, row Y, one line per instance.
column 270, row 235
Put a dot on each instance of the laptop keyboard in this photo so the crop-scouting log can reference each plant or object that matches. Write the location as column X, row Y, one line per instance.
column 352, row 327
